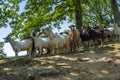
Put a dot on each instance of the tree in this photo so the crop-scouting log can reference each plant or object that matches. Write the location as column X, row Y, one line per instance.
column 39, row 14
column 2, row 54
column 78, row 14
column 9, row 11
column 115, row 11
column 97, row 12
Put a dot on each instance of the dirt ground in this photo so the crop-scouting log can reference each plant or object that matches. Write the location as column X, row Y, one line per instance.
column 87, row 64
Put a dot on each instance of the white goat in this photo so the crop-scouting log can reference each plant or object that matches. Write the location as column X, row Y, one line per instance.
column 25, row 45
column 58, row 41
column 41, row 42
column 111, row 31
column 117, row 29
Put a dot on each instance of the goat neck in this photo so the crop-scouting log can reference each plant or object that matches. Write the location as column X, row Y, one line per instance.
column 51, row 35
column 12, row 43
column 72, row 29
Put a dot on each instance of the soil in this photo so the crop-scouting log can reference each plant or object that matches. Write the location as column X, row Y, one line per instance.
column 98, row 63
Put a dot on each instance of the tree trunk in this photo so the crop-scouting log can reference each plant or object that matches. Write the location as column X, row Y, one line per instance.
column 78, row 14
column 115, row 11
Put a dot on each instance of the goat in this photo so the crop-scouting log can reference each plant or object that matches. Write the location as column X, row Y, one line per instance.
column 33, row 43
column 117, row 29
column 110, row 33
column 74, row 37
column 41, row 42
column 57, row 41
column 85, row 38
column 25, row 45
column 96, row 34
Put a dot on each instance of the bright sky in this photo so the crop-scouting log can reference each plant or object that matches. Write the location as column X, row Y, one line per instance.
column 5, row 31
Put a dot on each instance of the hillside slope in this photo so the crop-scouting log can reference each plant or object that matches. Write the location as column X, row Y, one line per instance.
column 95, row 64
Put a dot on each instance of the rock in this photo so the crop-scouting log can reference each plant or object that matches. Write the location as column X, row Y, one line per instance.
column 47, row 72
column 30, row 76
column 98, row 51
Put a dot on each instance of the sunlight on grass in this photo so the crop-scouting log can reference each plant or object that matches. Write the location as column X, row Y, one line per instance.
column 74, row 74
column 67, row 67
column 49, row 67
column 7, row 69
column 69, row 58
column 104, row 71
column 2, row 61
column 101, row 76
column 62, row 64
column 117, row 61
column 118, row 55
column 104, row 59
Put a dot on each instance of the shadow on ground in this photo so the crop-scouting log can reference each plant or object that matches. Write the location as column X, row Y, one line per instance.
column 98, row 63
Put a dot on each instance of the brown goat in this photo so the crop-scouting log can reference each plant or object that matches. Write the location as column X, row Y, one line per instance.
column 74, row 38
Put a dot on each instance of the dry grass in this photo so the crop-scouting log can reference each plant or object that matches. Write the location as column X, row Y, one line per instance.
column 95, row 64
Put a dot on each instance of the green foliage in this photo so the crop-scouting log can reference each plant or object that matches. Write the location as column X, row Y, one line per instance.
column 2, row 54
column 97, row 12
column 9, row 11
column 39, row 14
column 52, row 13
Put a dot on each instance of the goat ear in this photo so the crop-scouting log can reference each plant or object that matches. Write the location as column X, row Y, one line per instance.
column 69, row 26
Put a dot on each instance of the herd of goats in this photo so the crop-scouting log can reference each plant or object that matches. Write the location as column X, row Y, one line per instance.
column 67, row 41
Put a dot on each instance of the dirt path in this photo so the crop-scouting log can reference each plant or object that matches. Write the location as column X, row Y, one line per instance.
column 95, row 64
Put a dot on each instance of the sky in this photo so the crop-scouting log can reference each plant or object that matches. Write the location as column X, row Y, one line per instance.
column 5, row 31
